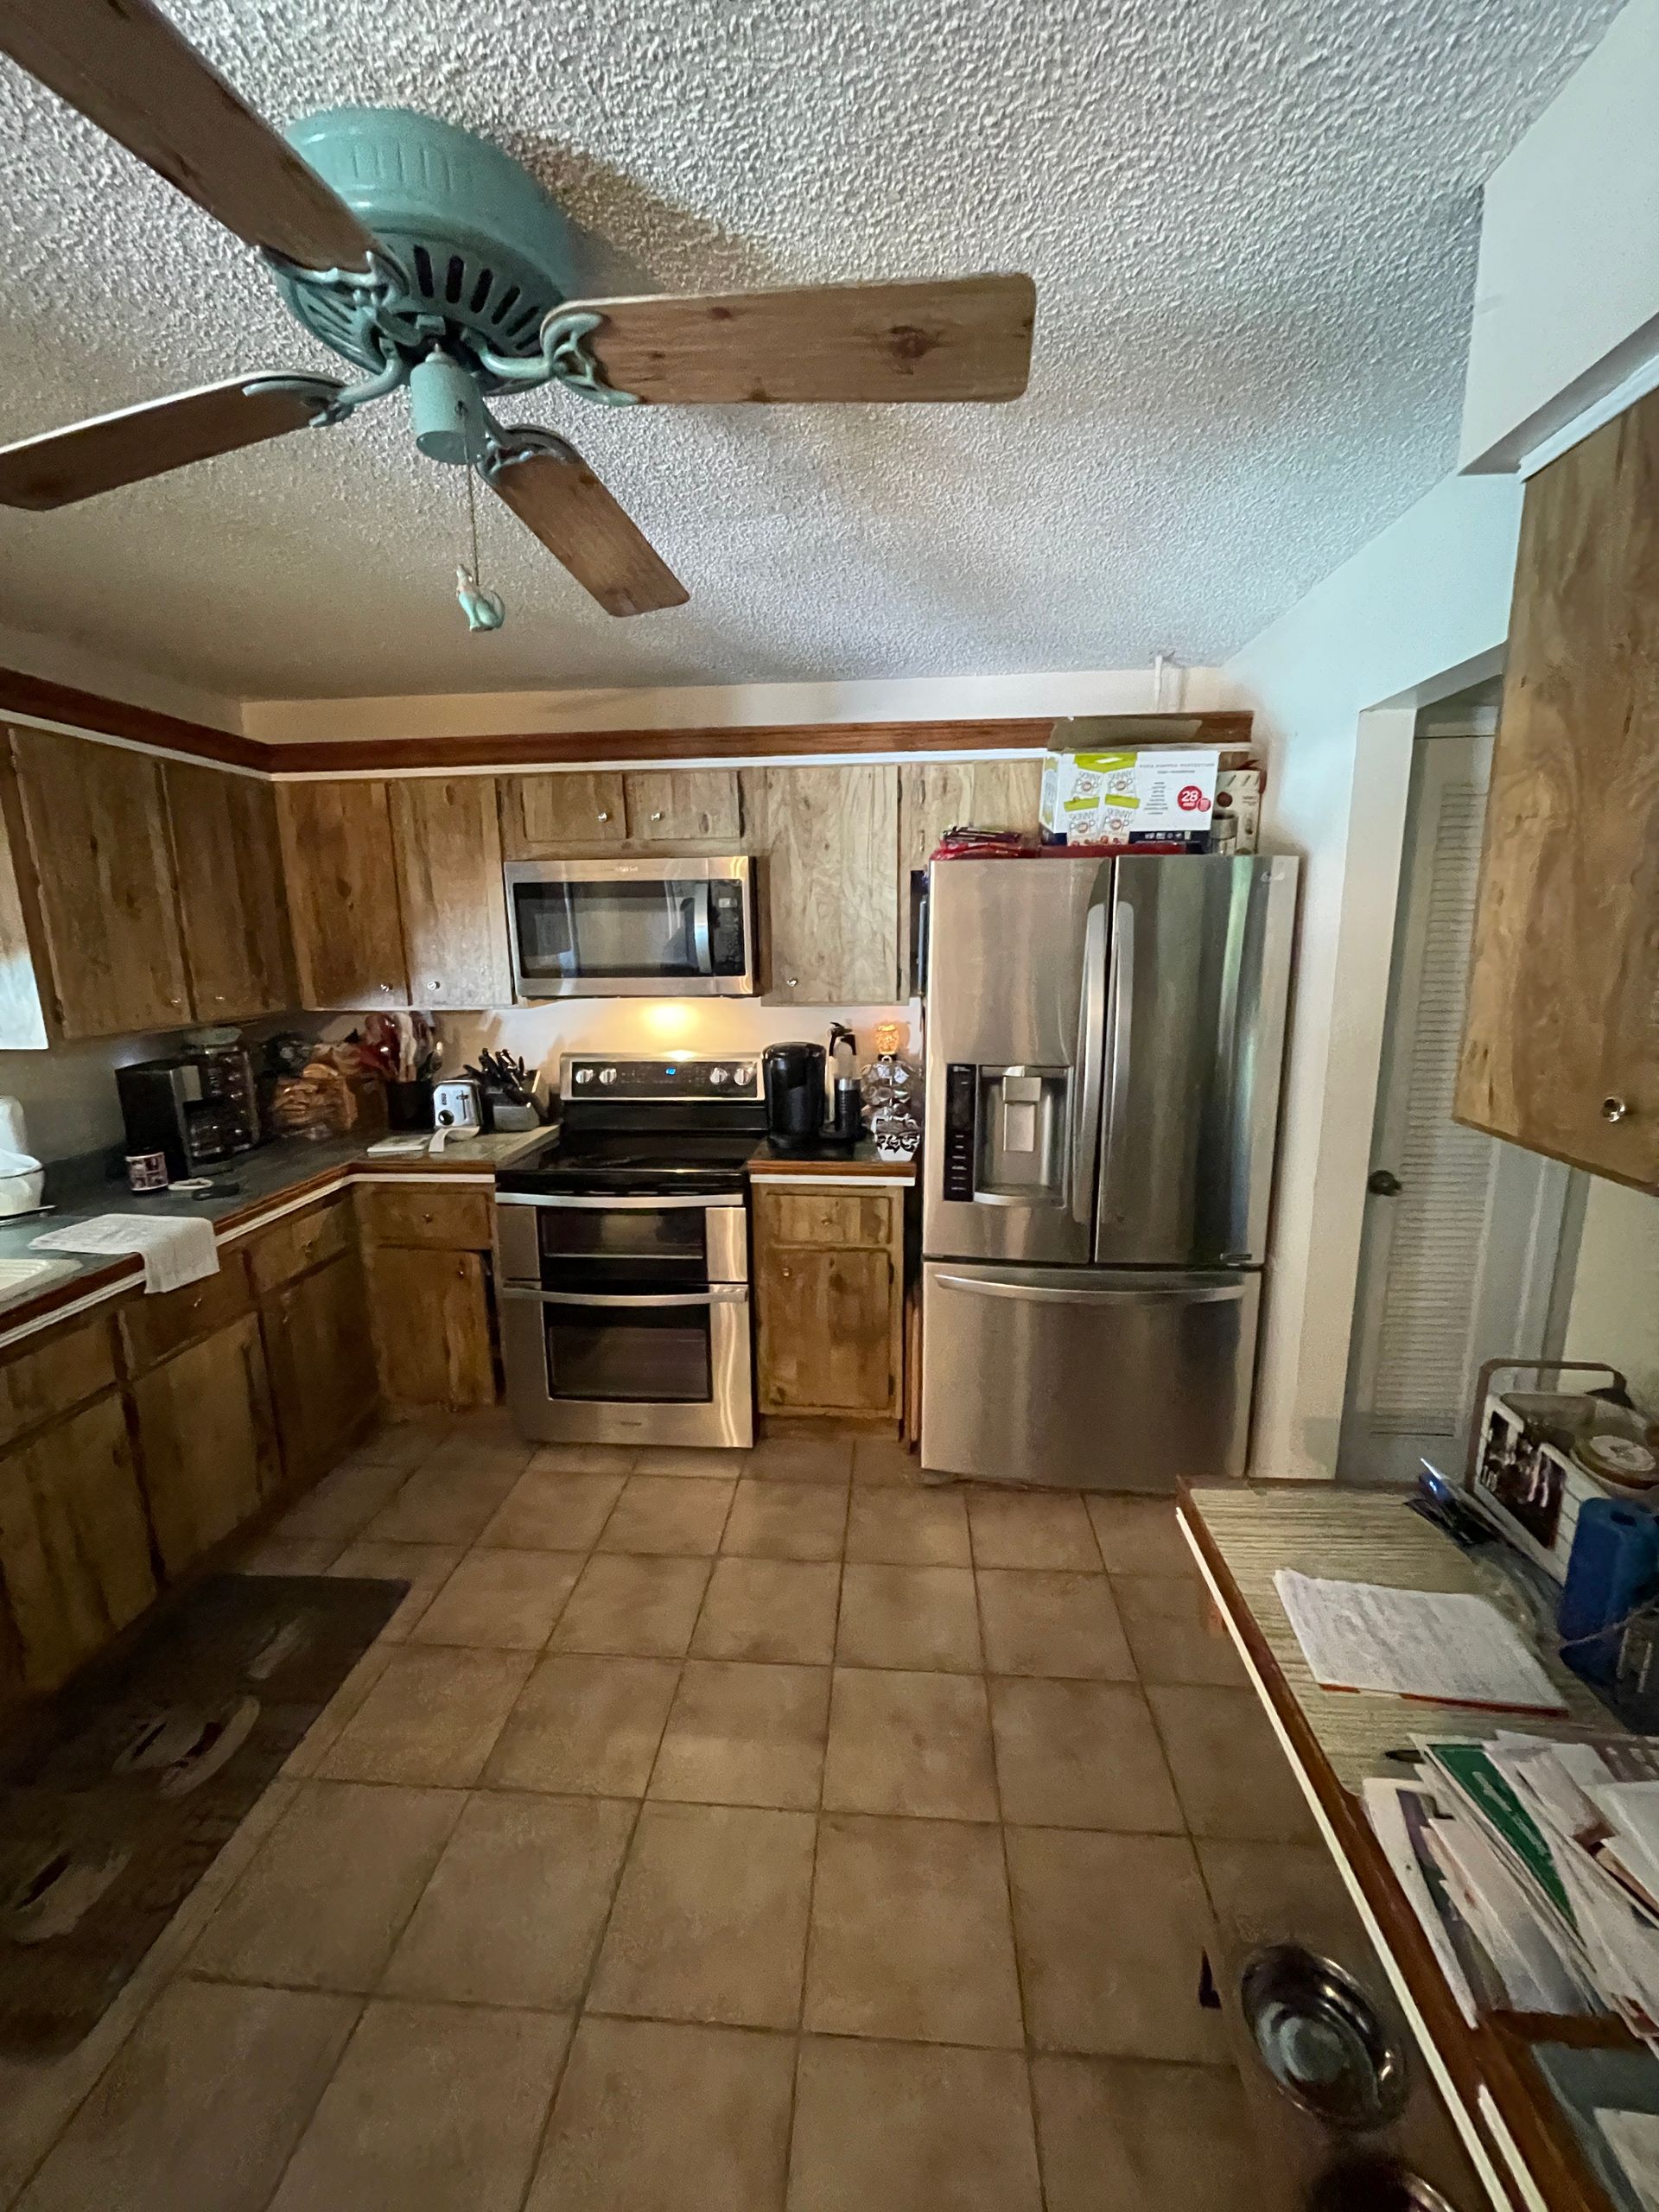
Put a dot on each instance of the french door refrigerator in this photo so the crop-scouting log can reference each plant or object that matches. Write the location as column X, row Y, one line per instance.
column 1104, row 1043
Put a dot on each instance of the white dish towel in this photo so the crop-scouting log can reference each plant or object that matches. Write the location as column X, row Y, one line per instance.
column 176, row 1248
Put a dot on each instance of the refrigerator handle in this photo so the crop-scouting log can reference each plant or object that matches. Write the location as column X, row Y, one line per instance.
column 1199, row 1293
column 1092, row 1045
column 1119, row 1000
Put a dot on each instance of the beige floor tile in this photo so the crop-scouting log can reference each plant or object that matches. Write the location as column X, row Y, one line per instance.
column 550, row 1509
column 403, row 1443
column 908, row 1528
column 786, row 1520
column 1233, row 1780
column 1050, row 1624
column 910, row 1933
column 435, row 2108
column 202, row 2106
column 500, row 1600
column 910, row 1743
column 1174, row 1631
column 783, row 1609
column 425, row 1568
column 691, row 1460
column 430, row 1719
column 1132, row 2132
column 289, row 1556
column 909, row 1616
column 709, row 1922
column 583, row 1459
column 630, row 1603
column 913, row 2129
column 745, row 1734
column 659, row 2118
column 1034, row 1529
column 515, row 1911
column 664, row 1513
column 1138, row 1536
column 1080, row 1755
column 886, row 1462
column 326, row 1899
column 443, row 1502
column 588, row 1726
column 1111, row 1931
column 484, row 1450
column 345, row 1502
column 326, row 1730
column 802, row 1460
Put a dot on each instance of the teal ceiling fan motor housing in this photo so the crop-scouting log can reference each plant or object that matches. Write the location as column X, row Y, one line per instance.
column 486, row 253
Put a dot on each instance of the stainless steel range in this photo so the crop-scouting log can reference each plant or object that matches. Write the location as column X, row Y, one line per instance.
column 622, row 1256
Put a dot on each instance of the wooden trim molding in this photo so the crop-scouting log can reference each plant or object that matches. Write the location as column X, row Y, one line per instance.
column 33, row 698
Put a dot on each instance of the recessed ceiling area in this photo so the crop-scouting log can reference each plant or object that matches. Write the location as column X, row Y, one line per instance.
column 1253, row 230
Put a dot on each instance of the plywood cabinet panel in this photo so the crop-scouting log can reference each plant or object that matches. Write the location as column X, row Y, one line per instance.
column 419, row 1213
column 52, row 1373
column 153, row 1328
column 207, row 1441
column 684, row 806
column 827, row 1217
column 304, row 1240
column 543, row 816
column 448, row 843
column 102, row 864
column 828, row 1302
column 231, row 893
column 342, row 894
column 431, row 1317
column 322, row 1362
column 831, row 838
column 1561, row 1048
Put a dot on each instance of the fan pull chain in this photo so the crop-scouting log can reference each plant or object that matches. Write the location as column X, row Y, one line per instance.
column 483, row 610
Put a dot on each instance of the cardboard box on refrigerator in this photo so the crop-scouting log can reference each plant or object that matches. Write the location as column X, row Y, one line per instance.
column 1162, row 797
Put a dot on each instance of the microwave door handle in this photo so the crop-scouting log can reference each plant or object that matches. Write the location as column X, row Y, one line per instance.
column 1091, row 1023
column 702, row 956
column 1120, row 1021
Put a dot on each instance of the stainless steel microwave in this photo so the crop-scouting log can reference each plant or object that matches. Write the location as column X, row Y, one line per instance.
column 632, row 928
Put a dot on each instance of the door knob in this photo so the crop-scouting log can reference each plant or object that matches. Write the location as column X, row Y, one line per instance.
column 1614, row 1110
column 1383, row 1184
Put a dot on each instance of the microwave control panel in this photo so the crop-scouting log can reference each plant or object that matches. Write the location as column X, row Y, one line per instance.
column 727, row 951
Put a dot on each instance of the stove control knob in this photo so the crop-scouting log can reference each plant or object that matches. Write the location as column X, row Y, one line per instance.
column 742, row 1076
column 607, row 1075
column 584, row 1074
column 718, row 1076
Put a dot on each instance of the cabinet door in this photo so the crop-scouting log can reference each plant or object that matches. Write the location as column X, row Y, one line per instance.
column 684, row 806
column 431, row 1316
column 826, row 1331
column 321, row 1362
column 940, row 795
column 830, row 836
column 1560, row 1041
column 75, row 1544
column 207, row 1440
column 229, row 863
column 103, row 864
column 542, row 816
column 342, row 895
column 448, row 842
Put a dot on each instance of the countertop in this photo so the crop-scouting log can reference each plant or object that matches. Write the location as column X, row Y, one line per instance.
column 861, row 1158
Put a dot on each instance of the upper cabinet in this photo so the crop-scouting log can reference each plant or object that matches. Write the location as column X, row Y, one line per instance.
column 1561, row 1048
column 685, row 806
column 231, row 893
column 935, row 795
column 543, row 816
column 342, row 894
column 448, row 845
column 830, row 883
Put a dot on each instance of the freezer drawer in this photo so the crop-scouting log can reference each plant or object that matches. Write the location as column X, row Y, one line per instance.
column 1091, row 1378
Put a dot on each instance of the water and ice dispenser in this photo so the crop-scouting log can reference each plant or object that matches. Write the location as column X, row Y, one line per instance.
column 1005, row 1134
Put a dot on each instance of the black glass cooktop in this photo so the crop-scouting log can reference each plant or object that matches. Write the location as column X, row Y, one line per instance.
column 597, row 1160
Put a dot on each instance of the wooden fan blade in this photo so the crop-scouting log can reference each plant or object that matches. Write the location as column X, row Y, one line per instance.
column 559, row 499
column 60, row 467
column 125, row 68
column 958, row 338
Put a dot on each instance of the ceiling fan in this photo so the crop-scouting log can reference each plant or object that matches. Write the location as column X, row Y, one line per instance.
column 430, row 260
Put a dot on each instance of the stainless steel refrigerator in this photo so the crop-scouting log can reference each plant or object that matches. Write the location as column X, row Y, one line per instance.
column 1104, row 1042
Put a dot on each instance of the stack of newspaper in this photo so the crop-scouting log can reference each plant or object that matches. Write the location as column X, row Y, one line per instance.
column 1534, row 1866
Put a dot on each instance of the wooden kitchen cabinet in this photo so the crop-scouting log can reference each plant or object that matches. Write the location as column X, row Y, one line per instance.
column 684, row 806
column 1561, row 1042
column 542, row 817
column 830, row 841
column 448, row 843
column 321, row 1364
column 431, row 1321
column 206, row 1441
column 232, row 895
column 935, row 795
column 829, row 1301
column 93, row 893
column 341, row 874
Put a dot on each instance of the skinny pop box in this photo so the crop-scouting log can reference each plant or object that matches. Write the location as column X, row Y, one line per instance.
column 1162, row 796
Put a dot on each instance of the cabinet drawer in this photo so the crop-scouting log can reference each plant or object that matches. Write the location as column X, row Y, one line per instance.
column 304, row 1240
column 838, row 1218
column 152, row 1328
column 443, row 1221
column 53, row 1373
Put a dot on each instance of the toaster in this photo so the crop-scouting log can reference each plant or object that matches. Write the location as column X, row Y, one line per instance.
column 458, row 1106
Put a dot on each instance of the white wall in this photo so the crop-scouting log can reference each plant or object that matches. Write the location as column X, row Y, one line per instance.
column 1418, row 612
column 66, row 660
column 1614, row 1314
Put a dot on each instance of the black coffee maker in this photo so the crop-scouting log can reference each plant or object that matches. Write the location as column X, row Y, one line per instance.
column 793, row 1075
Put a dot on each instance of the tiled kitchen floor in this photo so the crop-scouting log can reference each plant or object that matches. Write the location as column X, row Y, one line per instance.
column 715, row 1833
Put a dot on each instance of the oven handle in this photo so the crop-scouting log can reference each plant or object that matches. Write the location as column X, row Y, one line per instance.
column 720, row 1293
column 704, row 1200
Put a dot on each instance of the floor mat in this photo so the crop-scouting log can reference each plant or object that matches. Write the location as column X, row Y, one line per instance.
column 148, row 1765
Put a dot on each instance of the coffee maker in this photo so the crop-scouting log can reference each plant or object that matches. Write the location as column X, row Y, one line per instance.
column 197, row 1109
column 793, row 1077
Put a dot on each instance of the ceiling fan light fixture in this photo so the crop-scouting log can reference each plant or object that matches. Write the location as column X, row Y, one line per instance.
column 447, row 410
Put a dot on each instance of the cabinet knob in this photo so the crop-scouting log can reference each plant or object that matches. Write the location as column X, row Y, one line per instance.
column 657, row 817
column 604, row 814
column 437, row 983
column 784, row 1273
column 1614, row 1110
column 385, row 990
column 794, row 982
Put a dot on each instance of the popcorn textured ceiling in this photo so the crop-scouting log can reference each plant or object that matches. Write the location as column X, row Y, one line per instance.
column 1253, row 225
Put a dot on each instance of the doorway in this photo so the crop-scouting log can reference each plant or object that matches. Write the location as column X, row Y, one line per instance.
column 1459, row 1258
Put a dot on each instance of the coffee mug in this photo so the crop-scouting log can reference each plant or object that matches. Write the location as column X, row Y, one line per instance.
column 147, row 1171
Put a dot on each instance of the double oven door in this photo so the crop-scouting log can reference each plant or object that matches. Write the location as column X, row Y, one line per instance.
column 624, row 1318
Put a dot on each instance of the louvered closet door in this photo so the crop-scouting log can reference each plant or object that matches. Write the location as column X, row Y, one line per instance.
column 1455, row 1269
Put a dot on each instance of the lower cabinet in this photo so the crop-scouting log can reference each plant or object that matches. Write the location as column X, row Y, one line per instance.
column 207, row 1438
column 322, row 1379
column 828, row 1269
column 431, row 1315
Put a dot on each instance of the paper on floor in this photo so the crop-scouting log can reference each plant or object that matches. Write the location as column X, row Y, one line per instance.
column 1454, row 1649
column 175, row 1248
